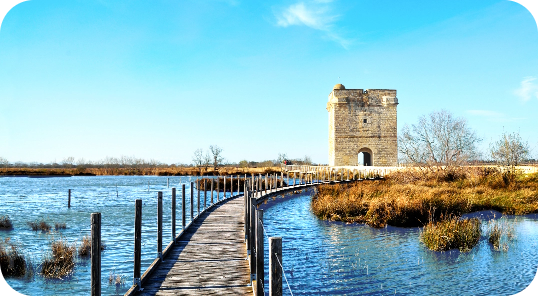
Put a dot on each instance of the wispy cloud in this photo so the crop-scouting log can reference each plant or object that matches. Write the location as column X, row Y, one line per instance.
column 527, row 89
column 493, row 115
column 316, row 15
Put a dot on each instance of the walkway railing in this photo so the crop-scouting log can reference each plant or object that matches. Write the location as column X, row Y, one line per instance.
column 257, row 189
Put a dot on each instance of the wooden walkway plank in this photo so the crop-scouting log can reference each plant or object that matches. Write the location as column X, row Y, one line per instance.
column 209, row 258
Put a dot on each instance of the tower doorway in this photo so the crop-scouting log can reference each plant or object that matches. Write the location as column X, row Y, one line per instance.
column 365, row 157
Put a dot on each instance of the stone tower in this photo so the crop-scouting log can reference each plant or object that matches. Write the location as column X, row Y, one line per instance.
column 362, row 121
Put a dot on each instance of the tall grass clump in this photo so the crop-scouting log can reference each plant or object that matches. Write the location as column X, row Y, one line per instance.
column 12, row 262
column 59, row 225
column 86, row 246
column 499, row 234
column 452, row 233
column 39, row 225
column 5, row 222
column 60, row 262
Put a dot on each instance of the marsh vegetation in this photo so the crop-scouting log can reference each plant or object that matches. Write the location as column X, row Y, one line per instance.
column 435, row 200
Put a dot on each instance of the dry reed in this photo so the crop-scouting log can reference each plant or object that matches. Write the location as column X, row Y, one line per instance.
column 86, row 245
column 59, row 225
column 12, row 262
column 451, row 233
column 499, row 234
column 60, row 262
column 406, row 198
column 39, row 225
column 5, row 223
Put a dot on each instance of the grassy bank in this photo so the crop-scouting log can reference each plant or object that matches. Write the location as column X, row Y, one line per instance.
column 410, row 198
column 146, row 171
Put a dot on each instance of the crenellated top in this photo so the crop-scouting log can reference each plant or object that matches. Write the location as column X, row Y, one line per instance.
column 366, row 97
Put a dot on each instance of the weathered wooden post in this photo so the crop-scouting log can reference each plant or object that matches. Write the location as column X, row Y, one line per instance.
column 192, row 201
column 167, row 182
column 205, row 193
column 259, row 253
column 252, row 175
column 252, row 238
column 218, row 188
column 69, row 198
column 173, row 213
column 239, row 182
column 275, row 271
column 224, row 190
column 160, row 224
column 137, row 243
column 211, row 191
column 246, row 218
column 198, row 192
column 96, row 254
column 183, row 206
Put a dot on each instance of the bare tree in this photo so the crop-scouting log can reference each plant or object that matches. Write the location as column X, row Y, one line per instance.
column 4, row 163
column 438, row 140
column 68, row 161
column 217, row 157
column 281, row 158
column 509, row 151
column 207, row 160
column 198, row 157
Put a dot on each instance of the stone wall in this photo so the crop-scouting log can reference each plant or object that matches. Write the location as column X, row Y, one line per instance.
column 362, row 120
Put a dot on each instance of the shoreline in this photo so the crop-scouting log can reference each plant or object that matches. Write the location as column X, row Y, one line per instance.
column 148, row 171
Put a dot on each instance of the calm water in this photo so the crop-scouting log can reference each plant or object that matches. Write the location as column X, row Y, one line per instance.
column 320, row 258
column 334, row 258
column 28, row 199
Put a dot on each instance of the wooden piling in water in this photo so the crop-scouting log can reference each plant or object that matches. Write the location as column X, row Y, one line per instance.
column 192, row 201
column 275, row 271
column 183, row 206
column 259, row 253
column 96, row 254
column 224, row 190
column 218, row 188
column 211, row 191
column 137, row 243
column 205, row 193
column 198, row 201
column 160, row 224
column 69, row 198
column 173, row 213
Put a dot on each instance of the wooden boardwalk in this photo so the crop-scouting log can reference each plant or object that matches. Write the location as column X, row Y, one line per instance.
column 209, row 259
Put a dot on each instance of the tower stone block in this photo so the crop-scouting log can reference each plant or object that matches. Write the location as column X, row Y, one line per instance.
column 362, row 121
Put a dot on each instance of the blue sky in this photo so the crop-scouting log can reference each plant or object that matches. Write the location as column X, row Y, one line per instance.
column 160, row 79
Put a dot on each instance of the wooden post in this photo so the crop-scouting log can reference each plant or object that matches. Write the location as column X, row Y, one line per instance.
column 252, row 230
column 69, row 198
column 173, row 213
column 267, row 181
column 198, row 191
column 252, row 175
column 137, row 243
column 239, row 182
column 211, row 192
column 259, row 253
column 192, row 201
column 205, row 193
column 218, row 188
column 96, row 254
column 167, row 182
column 246, row 219
column 275, row 271
column 183, row 206
column 224, row 190
column 160, row 224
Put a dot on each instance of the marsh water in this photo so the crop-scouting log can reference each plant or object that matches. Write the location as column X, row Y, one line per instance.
column 319, row 257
